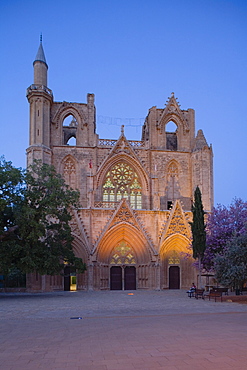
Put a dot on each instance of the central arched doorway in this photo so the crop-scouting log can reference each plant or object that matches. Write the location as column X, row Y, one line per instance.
column 123, row 278
column 122, row 268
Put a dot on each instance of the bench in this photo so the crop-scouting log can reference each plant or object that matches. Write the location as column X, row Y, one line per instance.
column 222, row 290
column 191, row 293
column 199, row 293
column 214, row 294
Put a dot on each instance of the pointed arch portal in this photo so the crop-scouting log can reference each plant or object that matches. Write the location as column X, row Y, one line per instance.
column 176, row 263
column 122, row 270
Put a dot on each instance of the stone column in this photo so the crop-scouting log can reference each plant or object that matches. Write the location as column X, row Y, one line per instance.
column 157, row 268
column 90, row 276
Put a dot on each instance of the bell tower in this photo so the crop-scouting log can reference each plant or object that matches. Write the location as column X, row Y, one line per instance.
column 40, row 99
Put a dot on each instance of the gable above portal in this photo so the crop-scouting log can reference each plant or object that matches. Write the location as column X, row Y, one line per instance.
column 122, row 151
column 176, row 224
column 125, row 218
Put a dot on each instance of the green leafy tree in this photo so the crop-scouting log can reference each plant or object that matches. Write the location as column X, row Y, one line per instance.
column 11, row 182
column 198, row 230
column 42, row 240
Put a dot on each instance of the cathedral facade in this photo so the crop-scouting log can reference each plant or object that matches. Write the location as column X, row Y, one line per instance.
column 132, row 228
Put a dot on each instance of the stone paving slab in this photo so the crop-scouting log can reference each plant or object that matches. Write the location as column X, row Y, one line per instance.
column 146, row 330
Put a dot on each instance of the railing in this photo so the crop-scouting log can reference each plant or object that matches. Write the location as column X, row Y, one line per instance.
column 101, row 204
column 39, row 87
column 107, row 142
column 110, row 142
column 137, row 143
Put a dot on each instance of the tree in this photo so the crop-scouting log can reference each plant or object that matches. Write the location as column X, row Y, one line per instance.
column 11, row 182
column 42, row 241
column 231, row 265
column 198, row 230
column 223, row 225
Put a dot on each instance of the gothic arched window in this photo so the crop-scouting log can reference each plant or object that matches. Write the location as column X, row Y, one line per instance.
column 173, row 258
column 122, row 182
column 171, row 136
column 69, row 172
column 172, row 170
column 122, row 255
column 173, row 190
column 69, row 130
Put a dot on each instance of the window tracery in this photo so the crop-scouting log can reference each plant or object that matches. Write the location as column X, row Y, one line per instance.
column 173, row 189
column 122, row 255
column 69, row 172
column 174, row 258
column 122, row 182
column 173, row 170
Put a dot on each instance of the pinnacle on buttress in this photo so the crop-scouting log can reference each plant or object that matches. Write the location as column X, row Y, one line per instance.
column 200, row 141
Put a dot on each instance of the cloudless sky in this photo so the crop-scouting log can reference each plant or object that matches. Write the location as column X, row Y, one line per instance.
column 132, row 54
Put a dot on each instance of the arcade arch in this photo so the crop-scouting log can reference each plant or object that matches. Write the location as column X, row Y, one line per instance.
column 123, row 255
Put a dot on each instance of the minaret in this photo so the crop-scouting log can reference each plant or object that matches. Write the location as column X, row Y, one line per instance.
column 40, row 66
column 40, row 99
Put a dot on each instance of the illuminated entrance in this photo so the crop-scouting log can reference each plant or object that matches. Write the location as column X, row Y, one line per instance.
column 69, row 278
column 174, row 271
column 122, row 271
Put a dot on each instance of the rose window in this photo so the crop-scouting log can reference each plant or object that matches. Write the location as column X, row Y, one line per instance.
column 122, row 182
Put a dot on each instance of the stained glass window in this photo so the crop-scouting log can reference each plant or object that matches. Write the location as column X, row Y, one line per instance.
column 122, row 182
column 174, row 258
column 122, row 255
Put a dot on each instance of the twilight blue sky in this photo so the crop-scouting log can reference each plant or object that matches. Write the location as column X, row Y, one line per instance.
column 132, row 54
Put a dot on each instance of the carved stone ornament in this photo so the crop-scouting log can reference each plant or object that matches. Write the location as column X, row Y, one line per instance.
column 177, row 223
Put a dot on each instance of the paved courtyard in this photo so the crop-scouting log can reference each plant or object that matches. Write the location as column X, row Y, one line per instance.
column 119, row 330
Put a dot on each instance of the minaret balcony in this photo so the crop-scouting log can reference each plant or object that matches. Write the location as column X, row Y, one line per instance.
column 39, row 88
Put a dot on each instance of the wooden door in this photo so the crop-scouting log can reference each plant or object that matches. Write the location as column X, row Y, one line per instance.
column 174, row 277
column 130, row 278
column 116, row 278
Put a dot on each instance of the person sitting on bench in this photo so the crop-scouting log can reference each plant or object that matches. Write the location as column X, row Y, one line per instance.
column 192, row 290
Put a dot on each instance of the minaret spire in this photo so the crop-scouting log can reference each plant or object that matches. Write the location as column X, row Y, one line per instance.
column 40, row 66
column 40, row 56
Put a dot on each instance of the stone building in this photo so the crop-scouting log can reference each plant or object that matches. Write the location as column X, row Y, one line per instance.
column 132, row 228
